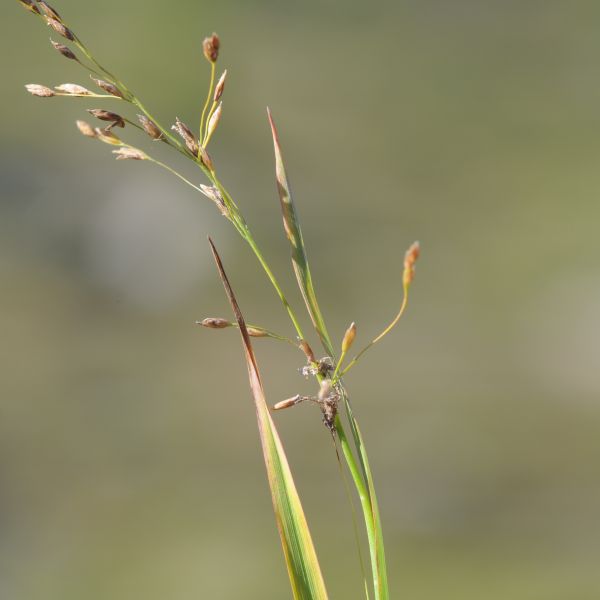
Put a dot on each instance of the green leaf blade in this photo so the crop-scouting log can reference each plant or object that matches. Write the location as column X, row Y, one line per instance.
column 301, row 559
column 293, row 233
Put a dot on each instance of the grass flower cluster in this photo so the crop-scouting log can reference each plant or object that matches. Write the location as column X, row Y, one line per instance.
column 331, row 395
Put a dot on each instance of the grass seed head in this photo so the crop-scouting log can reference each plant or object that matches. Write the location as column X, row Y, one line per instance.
column 214, row 121
column 220, row 86
column 39, row 90
column 215, row 323
column 150, row 127
column 188, row 137
column 108, row 87
column 86, row 129
column 64, row 50
column 289, row 402
column 410, row 258
column 349, row 337
column 255, row 332
column 206, row 159
column 49, row 11
column 308, row 351
column 127, row 152
column 210, row 47
column 73, row 89
column 105, row 115
column 60, row 28
column 30, row 6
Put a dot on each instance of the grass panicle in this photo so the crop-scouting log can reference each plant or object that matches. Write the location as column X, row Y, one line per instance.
column 331, row 395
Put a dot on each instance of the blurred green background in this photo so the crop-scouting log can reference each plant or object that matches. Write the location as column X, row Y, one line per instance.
column 130, row 464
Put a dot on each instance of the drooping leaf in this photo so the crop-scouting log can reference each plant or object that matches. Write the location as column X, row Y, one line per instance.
column 300, row 555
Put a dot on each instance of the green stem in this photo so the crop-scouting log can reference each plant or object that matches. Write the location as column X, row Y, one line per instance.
column 363, row 495
column 208, row 97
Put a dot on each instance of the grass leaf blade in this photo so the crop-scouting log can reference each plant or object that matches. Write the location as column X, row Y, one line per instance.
column 374, row 527
column 300, row 555
column 294, row 236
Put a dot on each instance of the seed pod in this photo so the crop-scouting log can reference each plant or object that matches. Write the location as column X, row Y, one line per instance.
column 410, row 258
column 108, row 87
column 60, row 28
column 107, row 136
column 188, row 137
column 213, row 122
column 215, row 195
column 210, row 47
column 72, row 89
column 215, row 323
column 49, row 11
column 64, row 50
column 150, row 127
column 127, row 152
column 86, row 129
column 289, row 402
column 105, row 115
column 220, row 86
column 349, row 338
column 39, row 90
column 30, row 6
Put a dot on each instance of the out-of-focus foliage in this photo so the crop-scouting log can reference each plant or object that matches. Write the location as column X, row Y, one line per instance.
column 473, row 127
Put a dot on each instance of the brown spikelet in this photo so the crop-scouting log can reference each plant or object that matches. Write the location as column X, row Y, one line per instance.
column 72, row 89
column 213, row 122
column 210, row 47
column 289, row 402
column 256, row 332
column 30, row 6
column 86, row 129
column 39, row 90
column 220, row 86
column 108, row 87
column 188, row 137
column 215, row 323
column 150, row 127
column 105, row 115
column 308, row 351
column 60, row 28
column 64, row 50
column 49, row 11
column 349, row 337
column 127, row 152
column 410, row 258
column 206, row 159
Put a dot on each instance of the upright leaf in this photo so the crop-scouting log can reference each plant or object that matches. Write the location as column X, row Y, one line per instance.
column 294, row 236
column 301, row 559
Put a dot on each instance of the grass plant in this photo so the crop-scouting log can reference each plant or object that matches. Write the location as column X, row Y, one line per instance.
column 331, row 394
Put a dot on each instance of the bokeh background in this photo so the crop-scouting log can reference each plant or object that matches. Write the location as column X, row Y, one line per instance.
column 130, row 464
